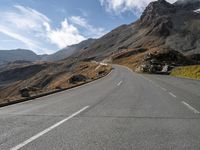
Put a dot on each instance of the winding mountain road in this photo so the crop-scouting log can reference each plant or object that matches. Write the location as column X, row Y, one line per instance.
column 123, row 111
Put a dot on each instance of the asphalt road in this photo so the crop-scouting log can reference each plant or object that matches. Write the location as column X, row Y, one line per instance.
column 123, row 111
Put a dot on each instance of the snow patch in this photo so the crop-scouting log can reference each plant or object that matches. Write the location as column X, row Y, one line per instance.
column 197, row 11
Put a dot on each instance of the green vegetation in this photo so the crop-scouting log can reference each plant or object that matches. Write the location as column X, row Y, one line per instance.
column 187, row 72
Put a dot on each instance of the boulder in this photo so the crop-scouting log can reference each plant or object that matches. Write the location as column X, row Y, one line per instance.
column 77, row 78
column 24, row 92
column 102, row 73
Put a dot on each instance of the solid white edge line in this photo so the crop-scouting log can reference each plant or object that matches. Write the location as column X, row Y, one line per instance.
column 119, row 83
column 190, row 107
column 47, row 130
column 172, row 94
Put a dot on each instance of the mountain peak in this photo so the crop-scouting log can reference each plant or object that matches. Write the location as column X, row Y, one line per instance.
column 156, row 9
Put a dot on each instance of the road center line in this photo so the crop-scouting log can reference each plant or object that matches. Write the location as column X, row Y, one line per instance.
column 190, row 107
column 172, row 94
column 119, row 83
column 47, row 130
column 163, row 89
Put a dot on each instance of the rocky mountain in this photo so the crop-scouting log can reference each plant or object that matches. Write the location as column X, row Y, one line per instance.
column 161, row 28
column 166, row 35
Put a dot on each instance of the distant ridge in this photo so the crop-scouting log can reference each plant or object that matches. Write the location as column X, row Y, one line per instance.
column 7, row 56
column 69, row 50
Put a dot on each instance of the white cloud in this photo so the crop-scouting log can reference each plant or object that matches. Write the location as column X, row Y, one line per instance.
column 197, row 11
column 35, row 31
column 24, row 25
column 79, row 21
column 120, row 6
column 28, row 18
column 66, row 35
column 89, row 29
column 16, row 36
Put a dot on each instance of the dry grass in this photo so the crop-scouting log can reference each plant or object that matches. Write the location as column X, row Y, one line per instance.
column 192, row 72
column 134, row 61
column 59, row 80
column 85, row 68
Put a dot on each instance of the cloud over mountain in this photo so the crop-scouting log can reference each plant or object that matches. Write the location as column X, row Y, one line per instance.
column 121, row 6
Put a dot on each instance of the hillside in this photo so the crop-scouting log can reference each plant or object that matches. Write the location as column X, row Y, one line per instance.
column 18, row 54
column 163, row 27
column 165, row 36
column 46, row 77
column 69, row 50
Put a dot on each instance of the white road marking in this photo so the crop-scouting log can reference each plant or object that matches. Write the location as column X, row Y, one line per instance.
column 150, row 80
column 190, row 107
column 172, row 94
column 119, row 83
column 146, row 78
column 47, row 130
column 163, row 89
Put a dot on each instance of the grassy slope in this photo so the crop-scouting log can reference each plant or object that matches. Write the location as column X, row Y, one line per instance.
column 59, row 80
column 187, row 72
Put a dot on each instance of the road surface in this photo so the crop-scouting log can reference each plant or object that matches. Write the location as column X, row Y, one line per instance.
column 122, row 111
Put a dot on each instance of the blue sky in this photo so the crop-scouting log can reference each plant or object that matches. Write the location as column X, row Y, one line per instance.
column 45, row 26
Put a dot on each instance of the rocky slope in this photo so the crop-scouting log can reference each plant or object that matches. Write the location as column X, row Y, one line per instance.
column 46, row 76
column 166, row 35
column 162, row 27
column 68, row 51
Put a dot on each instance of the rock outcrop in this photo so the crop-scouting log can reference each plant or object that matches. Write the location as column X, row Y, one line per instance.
column 162, row 25
column 77, row 78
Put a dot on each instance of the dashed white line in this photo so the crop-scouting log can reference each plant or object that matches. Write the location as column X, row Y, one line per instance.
column 150, row 81
column 172, row 94
column 163, row 89
column 47, row 130
column 190, row 107
column 119, row 83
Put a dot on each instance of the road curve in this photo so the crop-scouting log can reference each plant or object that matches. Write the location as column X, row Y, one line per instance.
column 124, row 110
